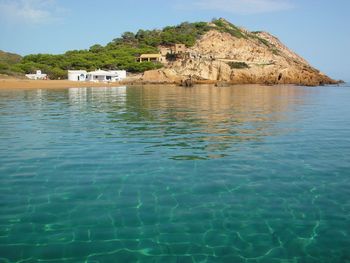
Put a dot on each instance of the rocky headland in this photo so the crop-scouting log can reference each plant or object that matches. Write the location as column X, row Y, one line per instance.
column 228, row 54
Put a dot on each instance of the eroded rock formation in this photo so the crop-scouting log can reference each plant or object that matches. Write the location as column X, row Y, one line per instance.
column 250, row 58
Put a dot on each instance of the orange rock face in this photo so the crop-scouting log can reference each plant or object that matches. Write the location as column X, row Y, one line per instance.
column 218, row 57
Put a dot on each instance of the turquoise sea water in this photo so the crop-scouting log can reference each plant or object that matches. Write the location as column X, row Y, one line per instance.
column 169, row 174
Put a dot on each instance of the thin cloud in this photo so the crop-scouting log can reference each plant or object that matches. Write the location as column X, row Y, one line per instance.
column 244, row 6
column 30, row 11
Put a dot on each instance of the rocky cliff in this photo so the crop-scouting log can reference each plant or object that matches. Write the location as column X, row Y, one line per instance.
column 228, row 54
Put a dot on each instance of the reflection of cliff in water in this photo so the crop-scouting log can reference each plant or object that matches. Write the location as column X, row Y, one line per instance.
column 180, row 123
column 204, row 122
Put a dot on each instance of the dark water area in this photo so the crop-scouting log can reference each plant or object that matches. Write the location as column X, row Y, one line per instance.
column 171, row 174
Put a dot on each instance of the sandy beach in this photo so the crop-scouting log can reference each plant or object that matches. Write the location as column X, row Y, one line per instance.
column 50, row 84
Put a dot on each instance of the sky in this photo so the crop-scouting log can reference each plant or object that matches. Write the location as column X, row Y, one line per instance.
column 318, row 30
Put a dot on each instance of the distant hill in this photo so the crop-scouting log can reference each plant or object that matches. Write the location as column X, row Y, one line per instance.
column 214, row 51
column 8, row 62
column 9, row 58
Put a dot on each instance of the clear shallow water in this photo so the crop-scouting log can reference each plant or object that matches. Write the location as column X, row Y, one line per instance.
column 156, row 174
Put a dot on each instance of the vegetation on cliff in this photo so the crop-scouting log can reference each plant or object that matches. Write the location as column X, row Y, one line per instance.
column 226, row 27
column 238, row 65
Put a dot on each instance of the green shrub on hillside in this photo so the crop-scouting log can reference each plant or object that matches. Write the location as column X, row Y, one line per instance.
column 3, row 66
column 226, row 27
column 238, row 65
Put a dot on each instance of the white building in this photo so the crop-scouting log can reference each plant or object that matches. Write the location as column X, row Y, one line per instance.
column 77, row 75
column 96, row 76
column 106, row 76
column 37, row 75
column 120, row 74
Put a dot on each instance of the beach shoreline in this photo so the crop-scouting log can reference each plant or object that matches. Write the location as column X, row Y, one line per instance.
column 13, row 84
column 23, row 84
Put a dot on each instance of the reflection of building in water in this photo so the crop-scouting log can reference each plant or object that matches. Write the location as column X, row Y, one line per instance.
column 40, row 96
column 100, row 95
column 77, row 95
column 111, row 94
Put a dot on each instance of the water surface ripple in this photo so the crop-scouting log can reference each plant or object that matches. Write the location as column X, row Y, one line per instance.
column 167, row 174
